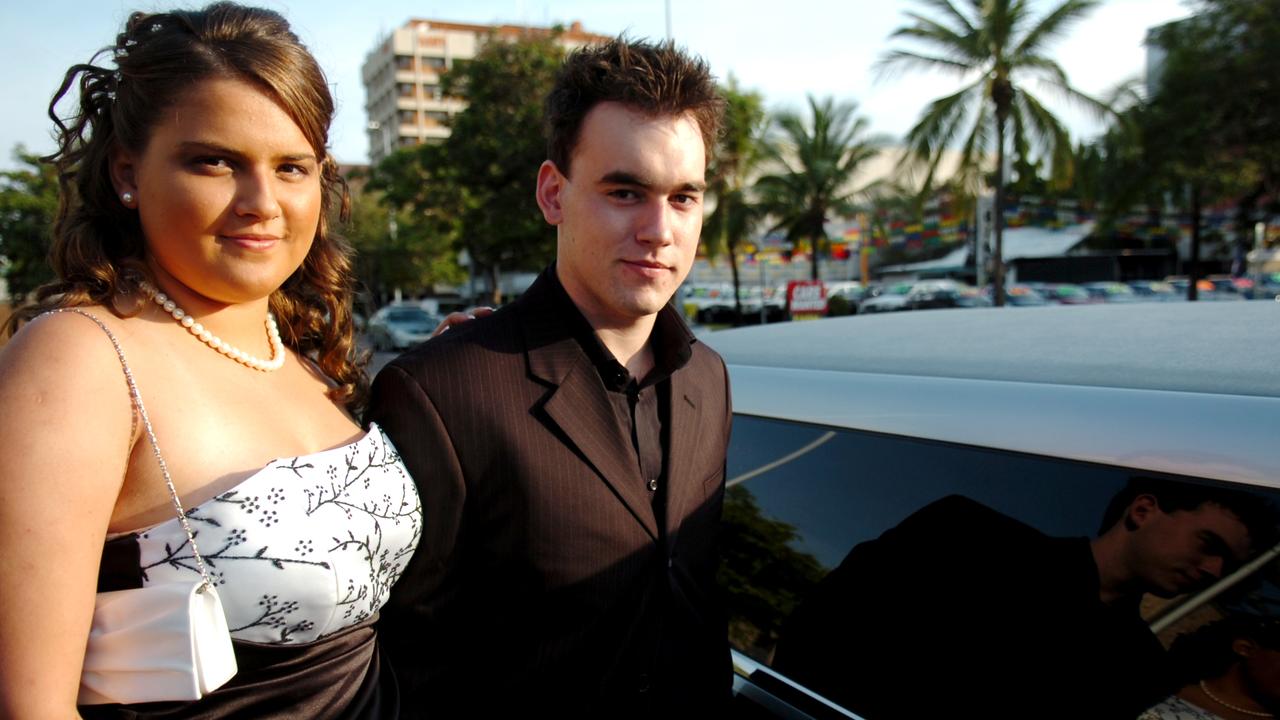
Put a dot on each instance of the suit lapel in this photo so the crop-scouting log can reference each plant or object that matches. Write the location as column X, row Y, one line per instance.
column 685, row 434
column 577, row 404
column 582, row 412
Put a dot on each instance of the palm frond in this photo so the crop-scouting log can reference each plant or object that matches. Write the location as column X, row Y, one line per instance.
column 1053, row 25
column 947, row 9
column 896, row 61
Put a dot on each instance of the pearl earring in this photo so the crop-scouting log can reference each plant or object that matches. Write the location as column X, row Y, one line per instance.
column 127, row 198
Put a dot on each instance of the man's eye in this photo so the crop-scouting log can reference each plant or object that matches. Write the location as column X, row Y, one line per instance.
column 684, row 199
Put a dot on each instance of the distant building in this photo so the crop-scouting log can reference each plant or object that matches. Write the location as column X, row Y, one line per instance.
column 403, row 98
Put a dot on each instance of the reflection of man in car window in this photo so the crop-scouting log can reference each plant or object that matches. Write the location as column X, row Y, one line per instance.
column 961, row 608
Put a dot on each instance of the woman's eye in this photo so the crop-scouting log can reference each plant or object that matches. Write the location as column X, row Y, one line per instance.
column 212, row 162
column 294, row 170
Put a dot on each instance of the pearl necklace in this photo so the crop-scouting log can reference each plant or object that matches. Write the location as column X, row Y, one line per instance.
column 202, row 333
column 1253, row 713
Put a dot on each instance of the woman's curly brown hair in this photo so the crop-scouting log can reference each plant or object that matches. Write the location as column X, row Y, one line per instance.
column 98, row 247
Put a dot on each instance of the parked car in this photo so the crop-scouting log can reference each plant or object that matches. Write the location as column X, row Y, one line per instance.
column 400, row 326
column 1111, row 292
column 1206, row 290
column 1266, row 287
column 843, row 428
column 885, row 298
column 1019, row 296
column 1068, row 294
column 1155, row 290
column 931, row 294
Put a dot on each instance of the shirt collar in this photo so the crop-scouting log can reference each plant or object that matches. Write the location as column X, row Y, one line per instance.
column 671, row 340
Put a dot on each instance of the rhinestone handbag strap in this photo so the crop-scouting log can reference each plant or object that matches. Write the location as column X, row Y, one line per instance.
column 136, row 397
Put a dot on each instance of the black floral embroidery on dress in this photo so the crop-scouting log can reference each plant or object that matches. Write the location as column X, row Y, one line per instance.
column 345, row 492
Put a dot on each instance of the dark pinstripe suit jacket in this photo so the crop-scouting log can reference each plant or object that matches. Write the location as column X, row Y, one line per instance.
column 542, row 580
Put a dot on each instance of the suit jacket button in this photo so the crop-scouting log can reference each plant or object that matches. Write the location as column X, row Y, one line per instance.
column 653, row 484
column 670, row 563
column 642, row 683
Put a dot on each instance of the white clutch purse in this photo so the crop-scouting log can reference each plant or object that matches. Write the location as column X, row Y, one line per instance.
column 167, row 641
column 163, row 642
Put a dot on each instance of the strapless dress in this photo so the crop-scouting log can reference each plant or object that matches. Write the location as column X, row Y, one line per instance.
column 304, row 552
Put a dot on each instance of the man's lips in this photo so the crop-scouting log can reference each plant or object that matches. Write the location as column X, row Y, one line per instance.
column 647, row 265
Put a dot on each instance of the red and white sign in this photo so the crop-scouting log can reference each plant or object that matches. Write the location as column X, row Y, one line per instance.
column 806, row 297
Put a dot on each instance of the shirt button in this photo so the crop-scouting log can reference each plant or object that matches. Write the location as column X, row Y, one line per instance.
column 670, row 563
column 653, row 484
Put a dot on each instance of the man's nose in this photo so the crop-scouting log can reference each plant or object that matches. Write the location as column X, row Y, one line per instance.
column 656, row 223
column 256, row 196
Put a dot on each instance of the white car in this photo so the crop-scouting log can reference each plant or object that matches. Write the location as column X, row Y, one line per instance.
column 844, row 427
column 400, row 326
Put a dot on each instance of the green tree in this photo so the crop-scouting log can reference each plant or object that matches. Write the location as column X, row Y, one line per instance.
column 735, row 158
column 818, row 156
column 1210, row 132
column 995, row 46
column 764, row 577
column 28, row 204
column 476, row 188
column 496, row 147
column 393, row 251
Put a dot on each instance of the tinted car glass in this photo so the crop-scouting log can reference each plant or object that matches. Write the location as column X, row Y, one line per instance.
column 801, row 497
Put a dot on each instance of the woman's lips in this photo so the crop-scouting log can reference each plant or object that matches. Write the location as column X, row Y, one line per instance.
column 253, row 242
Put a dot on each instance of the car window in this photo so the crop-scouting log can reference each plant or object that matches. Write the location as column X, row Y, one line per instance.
column 967, row 524
column 409, row 315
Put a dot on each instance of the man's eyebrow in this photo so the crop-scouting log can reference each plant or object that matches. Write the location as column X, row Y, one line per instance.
column 214, row 148
column 622, row 177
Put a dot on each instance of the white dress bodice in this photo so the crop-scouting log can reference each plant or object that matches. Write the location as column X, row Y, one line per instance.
column 303, row 548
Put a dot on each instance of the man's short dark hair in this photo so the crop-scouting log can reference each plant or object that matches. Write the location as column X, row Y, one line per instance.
column 656, row 79
column 1256, row 513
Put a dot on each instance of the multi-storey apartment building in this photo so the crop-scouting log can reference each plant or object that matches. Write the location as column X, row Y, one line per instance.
column 403, row 97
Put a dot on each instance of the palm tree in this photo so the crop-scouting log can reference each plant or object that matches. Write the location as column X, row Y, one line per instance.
column 818, row 157
column 737, row 153
column 995, row 46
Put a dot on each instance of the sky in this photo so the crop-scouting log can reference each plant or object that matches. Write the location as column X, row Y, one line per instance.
column 785, row 50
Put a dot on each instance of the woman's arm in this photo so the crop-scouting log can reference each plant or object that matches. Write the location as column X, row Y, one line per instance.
column 65, row 420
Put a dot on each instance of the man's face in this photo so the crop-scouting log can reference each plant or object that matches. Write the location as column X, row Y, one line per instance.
column 630, row 217
column 1185, row 550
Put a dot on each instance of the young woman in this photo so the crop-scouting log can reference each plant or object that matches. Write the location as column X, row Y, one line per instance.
column 1232, row 672
column 194, row 227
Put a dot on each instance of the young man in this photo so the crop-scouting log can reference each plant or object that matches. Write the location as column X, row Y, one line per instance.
column 569, row 449
column 962, row 610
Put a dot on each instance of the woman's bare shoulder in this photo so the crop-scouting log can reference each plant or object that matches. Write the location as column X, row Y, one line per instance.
column 64, row 350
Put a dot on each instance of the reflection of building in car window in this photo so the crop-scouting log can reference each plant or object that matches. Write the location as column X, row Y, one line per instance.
column 963, row 607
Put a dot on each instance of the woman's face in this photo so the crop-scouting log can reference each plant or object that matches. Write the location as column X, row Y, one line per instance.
column 1261, row 666
column 228, row 193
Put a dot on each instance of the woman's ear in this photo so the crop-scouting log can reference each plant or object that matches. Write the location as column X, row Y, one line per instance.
column 123, row 169
column 1243, row 647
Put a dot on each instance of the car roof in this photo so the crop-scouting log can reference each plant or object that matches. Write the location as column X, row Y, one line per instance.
column 1187, row 347
column 1185, row 389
